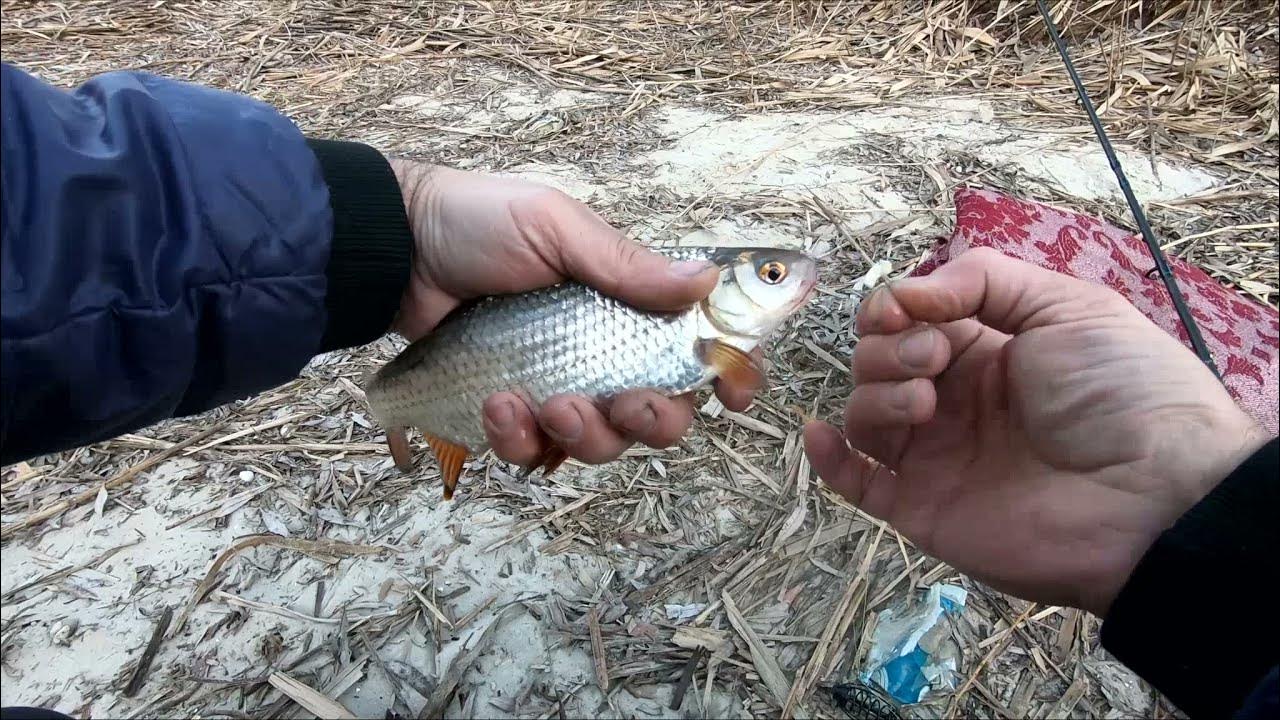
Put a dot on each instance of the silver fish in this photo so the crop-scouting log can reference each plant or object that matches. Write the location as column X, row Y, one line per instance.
column 571, row 339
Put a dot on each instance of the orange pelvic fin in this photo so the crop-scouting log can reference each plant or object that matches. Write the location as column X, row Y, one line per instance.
column 732, row 365
column 398, row 442
column 450, row 456
column 550, row 459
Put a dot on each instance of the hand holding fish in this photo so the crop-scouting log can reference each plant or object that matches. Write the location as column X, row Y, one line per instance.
column 1033, row 430
column 479, row 236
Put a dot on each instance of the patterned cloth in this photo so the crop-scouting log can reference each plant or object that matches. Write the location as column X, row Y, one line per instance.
column 1242, row 334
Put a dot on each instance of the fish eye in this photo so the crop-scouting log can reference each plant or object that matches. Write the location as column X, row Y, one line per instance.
column 773, row 272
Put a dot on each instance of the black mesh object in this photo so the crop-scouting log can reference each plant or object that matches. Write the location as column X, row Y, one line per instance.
column 861, row 701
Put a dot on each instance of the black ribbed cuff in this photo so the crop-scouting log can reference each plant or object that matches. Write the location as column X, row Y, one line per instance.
column 1196, row 618
column 372, row 243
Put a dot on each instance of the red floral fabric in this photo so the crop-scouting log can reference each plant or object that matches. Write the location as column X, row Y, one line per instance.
column 1242, row 334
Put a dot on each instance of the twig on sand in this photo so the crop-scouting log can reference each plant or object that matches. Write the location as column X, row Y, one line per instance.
column 139, row 675
column 89, row 495
column 309, row 698
column 326, row 549
column 444, row 691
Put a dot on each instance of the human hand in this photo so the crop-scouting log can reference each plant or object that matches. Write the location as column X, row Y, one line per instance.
column 1040, row 446
column 478, row 235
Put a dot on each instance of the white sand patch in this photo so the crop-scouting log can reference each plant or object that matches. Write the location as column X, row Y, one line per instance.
column 740, row 232
column 423, row 104
column 443, row 109
column 568, row 179
column 800, row 152
column 1082, row 170
column 521, row 104
column 786, row 153
column 114, row 610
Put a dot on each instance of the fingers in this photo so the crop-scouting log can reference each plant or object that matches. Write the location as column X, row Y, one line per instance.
column 886, row 404
column 881, row 313
column 592, row 434
column 512, row 429
column 914, row 353
column 878, row 416
column 737, row 397
column 577, row 425
column 1004, row 293
column 893, row 376
column 646, row 417
column 830, row 459
column 594, row 253
column 865, row 484
column 585, row 431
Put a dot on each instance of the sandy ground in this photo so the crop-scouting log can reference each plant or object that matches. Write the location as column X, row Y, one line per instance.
column 81, row 633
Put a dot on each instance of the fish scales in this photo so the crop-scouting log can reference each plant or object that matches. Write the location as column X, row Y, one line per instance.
column 568, row 339
column 572, row 339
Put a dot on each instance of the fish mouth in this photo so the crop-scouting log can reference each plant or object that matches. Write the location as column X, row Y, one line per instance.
column 808, row 287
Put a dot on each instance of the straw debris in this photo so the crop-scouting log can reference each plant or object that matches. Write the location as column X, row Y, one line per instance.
column 720, row 574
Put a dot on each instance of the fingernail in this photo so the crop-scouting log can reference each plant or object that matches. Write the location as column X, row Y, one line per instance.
column 640, row 421
column 689, row 268
column 869, row 311
column 916, row 349
column 566, row 427
column 902, row 398
column 503, row 416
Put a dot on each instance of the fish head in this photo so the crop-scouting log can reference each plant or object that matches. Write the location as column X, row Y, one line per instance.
column 759, row 288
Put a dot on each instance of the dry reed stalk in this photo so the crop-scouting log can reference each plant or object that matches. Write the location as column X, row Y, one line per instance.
column 729, row 515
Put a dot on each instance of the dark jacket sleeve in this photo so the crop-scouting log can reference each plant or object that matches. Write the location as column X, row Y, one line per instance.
column 1197, row 618
column 168, row 247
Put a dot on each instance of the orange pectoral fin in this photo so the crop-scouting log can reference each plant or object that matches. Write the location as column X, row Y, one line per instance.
column 732, row 365
column 398, row 442
column 451, row 456
column 549, row 460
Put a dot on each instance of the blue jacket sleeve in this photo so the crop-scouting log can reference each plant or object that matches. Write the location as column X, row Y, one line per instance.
column 168, row 247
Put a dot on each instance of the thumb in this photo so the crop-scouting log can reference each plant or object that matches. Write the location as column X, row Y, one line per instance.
column 594, row 253
column 1004, row 293
column 868, row 485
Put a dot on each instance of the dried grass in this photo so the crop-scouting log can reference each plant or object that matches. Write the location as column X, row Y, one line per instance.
column 1190, row 80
